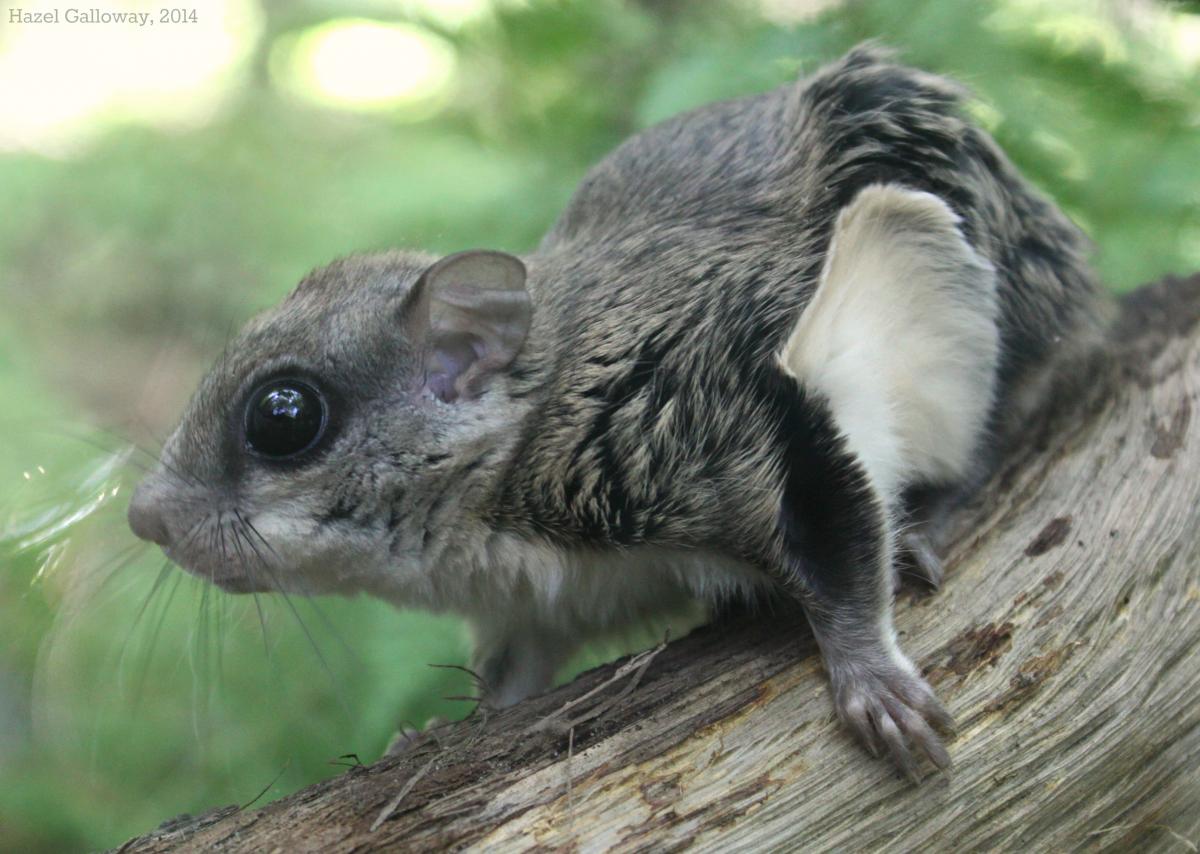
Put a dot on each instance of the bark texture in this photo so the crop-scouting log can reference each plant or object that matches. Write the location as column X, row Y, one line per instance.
column 1066, row 642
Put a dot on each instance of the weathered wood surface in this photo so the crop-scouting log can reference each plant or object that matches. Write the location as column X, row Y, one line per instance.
column 1066, row 642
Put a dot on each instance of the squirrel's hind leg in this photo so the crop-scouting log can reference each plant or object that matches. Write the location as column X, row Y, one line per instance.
column 892, row 368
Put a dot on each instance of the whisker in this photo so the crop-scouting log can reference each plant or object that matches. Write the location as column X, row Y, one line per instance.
column 239, row 537
column 199, row 661
column 329, row 626
column 155, row 457
column 219, row 647
column 335, row 631
column 192, row 532
column 257, row 533
column 154, row 635
column 180, row 474
column 163, row 574
column 295, row 613
column 224, row 544
column 262, row 622
column 124, row 443
column 123, row 559
column 213, row 533
column 90, row 441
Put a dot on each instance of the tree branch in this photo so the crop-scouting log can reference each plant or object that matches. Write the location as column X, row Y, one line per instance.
column 1065, row 642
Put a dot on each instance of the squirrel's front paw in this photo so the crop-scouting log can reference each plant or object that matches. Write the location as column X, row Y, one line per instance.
column 891, row 708
column 407, row 737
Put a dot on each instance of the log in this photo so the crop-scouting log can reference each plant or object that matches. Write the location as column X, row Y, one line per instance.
column 1066, row 642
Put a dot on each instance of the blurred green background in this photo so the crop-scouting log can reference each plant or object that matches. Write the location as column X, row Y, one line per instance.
column 160, row 185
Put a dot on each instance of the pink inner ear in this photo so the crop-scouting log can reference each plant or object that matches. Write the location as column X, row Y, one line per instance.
column 442, row 387
column 471, row 313
column 452, row 356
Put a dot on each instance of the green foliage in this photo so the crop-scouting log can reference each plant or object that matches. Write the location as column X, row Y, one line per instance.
column 124, row 703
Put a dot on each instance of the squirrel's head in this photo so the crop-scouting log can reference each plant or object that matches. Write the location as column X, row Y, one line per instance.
column 313, row 453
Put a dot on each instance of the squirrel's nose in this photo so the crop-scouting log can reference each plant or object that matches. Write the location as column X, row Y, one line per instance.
column 146, row 519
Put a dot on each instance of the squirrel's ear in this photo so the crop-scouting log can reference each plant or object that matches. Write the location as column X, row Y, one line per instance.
column 470, row 313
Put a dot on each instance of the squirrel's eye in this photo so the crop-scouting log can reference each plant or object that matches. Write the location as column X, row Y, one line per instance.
column 284, row 418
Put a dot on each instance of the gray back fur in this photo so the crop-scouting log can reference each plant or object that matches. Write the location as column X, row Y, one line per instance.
column 683, row 261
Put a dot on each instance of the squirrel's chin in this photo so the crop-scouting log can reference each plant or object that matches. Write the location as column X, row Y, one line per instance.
column 225, row 579
column 241, row 584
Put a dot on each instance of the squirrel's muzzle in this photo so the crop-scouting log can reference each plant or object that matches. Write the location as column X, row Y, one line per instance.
column 146, row 518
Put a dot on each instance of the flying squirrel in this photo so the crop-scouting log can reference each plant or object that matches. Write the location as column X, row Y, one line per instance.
column 767, row 345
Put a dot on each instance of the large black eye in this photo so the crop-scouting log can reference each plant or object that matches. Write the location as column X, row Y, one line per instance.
column 285, row 418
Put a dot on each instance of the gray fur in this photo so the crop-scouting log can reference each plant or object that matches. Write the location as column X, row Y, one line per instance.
column 646, row 447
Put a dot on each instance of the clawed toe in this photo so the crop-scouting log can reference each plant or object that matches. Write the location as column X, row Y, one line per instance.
column 923, row 561
column 408, row 737
column 896, row 712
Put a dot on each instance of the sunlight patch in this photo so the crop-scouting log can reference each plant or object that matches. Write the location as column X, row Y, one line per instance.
column 65, row 78
column 366, row 65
